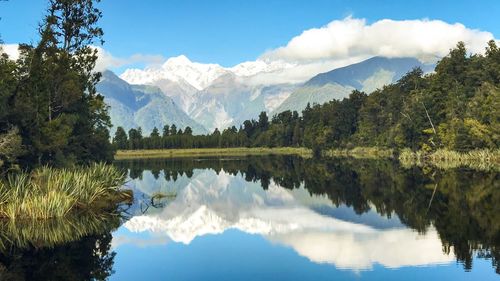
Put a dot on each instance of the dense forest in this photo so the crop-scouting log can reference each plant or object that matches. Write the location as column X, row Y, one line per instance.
column 50, row 112
column 457, row 107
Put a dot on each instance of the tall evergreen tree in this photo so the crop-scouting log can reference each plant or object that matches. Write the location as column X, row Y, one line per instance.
column 60, row 116
column 120, row 140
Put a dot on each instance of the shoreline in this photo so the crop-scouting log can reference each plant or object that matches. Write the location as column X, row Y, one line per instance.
column 442, row 159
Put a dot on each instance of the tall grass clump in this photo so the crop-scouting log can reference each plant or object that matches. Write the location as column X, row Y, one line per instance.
column 50, row 193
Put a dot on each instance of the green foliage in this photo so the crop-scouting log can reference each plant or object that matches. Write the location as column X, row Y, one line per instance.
column 49, row 193
column 10, row 147
column 49, row 93
column 120, row 139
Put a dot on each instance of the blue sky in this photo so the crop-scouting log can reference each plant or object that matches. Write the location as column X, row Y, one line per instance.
column 229, row 32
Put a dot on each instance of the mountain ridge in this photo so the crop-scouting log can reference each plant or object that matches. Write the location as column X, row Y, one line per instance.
column 216, row 97
column 144, row 106
column 367, row 76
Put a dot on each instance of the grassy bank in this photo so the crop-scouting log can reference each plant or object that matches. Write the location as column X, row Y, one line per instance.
column 196, row 152
column 447, row 159
column 53, row 193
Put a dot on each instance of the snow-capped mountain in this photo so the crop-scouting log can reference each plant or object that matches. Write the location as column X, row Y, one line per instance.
column 198, row 75
column 220, row 97
column 215, row 96
column 144, row 106
column 177, row 69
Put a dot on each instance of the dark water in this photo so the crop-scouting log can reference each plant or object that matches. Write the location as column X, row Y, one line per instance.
column 273, row 218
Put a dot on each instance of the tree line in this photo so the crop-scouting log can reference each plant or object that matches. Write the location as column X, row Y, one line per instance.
column 456, row 107
column 50, row 112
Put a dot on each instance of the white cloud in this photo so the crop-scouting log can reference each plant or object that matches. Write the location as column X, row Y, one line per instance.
column 301, row 71
column 107, row 61
column 350, row 37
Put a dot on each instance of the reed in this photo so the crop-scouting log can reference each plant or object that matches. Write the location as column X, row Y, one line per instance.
column 49, row 193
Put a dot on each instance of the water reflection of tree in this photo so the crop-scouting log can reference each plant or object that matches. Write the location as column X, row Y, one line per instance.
column 461, row 204
column 69, row 249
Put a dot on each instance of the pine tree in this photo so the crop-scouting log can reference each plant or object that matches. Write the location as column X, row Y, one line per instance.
column 173, row 130
column 188, row 131
column 60, row 116
column 120, row 139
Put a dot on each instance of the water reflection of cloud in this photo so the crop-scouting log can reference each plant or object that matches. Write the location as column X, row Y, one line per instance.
column 141, row 242
column 391, row 248
column 211, row 203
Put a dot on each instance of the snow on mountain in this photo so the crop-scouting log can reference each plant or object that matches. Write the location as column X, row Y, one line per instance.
column 177, row 69
column 198, row 75
column 251, row 68
column 215, row 96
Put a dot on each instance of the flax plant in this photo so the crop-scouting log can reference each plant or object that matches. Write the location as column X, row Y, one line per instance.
column 49, row 193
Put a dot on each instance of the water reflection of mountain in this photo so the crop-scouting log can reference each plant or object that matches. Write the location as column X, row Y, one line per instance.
column 364, row 204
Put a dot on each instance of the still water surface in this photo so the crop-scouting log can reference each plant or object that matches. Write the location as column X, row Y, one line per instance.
column 286, row 218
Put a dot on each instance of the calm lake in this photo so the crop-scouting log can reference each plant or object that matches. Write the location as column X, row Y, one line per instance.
column 273, row 218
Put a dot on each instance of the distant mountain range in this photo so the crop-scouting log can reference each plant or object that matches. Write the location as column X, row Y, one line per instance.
column 144, row 106
column 208, row 96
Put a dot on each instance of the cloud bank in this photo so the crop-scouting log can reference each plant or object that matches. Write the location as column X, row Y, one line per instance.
column 425, row 39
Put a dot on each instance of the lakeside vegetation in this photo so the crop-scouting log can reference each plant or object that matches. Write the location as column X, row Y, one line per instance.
column 54, row 193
